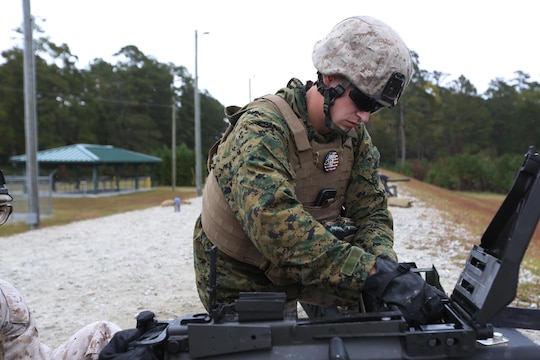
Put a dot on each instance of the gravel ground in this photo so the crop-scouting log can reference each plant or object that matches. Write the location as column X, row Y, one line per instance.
column 113, row 267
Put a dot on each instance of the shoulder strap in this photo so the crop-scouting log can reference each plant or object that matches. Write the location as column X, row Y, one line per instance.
column 301, row 146
column 295, row 124
column 297, row 127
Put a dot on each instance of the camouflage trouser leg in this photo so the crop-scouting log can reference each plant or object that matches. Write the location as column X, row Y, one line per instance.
column 86, row 343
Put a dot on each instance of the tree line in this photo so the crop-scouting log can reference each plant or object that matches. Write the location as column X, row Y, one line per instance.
column 450, row 135
column 441, row 132
column 128, row 104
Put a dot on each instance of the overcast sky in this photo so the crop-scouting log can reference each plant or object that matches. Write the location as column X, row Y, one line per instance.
column 265, row 43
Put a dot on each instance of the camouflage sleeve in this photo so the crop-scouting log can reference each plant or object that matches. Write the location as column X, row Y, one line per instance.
column 366, row 202
column 259, row 184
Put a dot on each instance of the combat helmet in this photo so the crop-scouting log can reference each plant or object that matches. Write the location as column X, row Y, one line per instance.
column 371, row 55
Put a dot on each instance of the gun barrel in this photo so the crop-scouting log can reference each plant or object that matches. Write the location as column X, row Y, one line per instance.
column 396, row 180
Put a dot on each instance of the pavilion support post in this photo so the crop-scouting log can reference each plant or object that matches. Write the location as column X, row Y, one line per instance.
column 95, row 179
column 117, row 176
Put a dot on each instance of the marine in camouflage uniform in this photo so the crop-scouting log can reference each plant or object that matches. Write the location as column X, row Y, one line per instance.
column 255, row 174
column 253, row 170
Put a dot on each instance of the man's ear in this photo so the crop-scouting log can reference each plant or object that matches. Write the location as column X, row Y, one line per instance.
column 332, row 80
column 328, row 80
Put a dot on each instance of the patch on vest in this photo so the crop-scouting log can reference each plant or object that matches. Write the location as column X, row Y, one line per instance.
column 331, row 161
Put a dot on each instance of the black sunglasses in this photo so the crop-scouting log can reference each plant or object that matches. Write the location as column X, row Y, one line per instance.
column 364, row 102
column 390, row 94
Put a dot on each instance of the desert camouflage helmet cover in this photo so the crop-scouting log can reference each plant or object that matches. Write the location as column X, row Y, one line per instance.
column 5, row 197
column 5, row 200
column 367, row 52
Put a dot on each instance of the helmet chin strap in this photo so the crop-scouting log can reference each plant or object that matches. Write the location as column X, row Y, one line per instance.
column 330, row 95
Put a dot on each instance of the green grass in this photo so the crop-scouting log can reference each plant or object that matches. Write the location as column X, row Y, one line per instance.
column 483, row 195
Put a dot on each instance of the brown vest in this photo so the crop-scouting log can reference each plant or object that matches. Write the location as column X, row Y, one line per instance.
column 308, row 160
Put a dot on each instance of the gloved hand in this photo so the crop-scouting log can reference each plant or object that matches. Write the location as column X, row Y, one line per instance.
column 141, row 343
column 119, row 349
column 343, row 228
column 395, row 284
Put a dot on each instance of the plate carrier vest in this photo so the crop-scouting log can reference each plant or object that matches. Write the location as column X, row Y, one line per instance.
column 218, row 220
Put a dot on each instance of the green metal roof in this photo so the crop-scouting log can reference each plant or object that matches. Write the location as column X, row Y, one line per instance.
column 89, row 154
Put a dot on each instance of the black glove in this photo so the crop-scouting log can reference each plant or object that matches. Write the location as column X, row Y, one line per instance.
column 343, row 228
column 119, row 349
column 123, row 347
column 395, row 284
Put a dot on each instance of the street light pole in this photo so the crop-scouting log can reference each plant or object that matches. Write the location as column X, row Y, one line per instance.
column 198, row 169
column 30, row 116
column 173, row 141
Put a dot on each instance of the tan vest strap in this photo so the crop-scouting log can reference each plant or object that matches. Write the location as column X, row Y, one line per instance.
column 301, row 145
column 223, row 229
column 297, row 127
